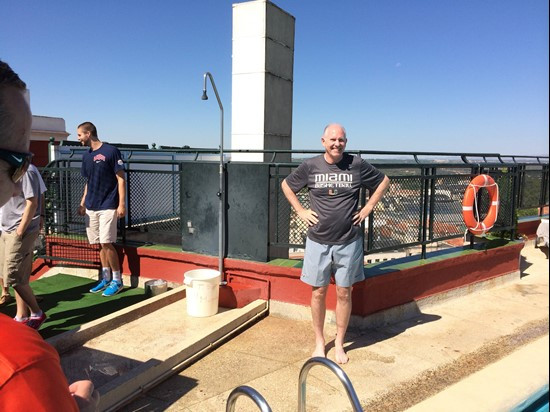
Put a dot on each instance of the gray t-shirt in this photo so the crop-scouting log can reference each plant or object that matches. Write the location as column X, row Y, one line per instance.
column 12, row 212
column 334, row 194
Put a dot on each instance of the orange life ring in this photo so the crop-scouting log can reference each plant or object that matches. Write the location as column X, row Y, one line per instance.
column 470, row 199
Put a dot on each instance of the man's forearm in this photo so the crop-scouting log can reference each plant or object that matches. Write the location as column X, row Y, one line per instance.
column 379, row 192
column 291, row 197
column 83, row 200
column 121, row 189
column 121, row 193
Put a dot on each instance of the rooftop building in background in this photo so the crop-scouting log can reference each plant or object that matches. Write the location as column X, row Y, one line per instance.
column 43, row 128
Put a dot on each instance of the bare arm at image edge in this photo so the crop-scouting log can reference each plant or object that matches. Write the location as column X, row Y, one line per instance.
column 30, row 208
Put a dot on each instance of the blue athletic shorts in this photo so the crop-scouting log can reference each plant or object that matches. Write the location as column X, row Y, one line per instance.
column 345, row 262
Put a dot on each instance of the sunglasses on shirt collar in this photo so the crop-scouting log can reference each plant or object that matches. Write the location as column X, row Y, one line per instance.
column 18, row 161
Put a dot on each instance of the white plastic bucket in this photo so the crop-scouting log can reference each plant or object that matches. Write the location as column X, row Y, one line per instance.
column 202, row 292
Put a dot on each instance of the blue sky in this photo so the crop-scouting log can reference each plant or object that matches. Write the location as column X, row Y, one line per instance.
column 407, row 75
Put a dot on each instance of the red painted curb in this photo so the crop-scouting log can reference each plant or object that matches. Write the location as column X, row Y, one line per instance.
column 248, row 281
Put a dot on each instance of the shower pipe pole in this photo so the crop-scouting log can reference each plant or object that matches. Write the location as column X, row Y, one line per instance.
column 221, row 192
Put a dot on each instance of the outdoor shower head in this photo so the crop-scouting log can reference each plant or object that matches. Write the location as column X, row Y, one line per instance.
column 204, row 96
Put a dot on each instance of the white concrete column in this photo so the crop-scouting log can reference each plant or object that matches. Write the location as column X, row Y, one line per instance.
column 263, row 61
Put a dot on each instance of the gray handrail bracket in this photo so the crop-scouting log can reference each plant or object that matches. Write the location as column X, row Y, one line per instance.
column 252, row 393
column 337, row 370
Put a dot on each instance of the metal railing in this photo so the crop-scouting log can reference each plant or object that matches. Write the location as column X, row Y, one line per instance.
column 422, row 206
column 251, row 393
column 340, row 374
column 262, row 404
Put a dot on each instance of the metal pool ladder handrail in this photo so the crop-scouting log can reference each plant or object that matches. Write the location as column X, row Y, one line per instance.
column 251, row 393
column 354, row 400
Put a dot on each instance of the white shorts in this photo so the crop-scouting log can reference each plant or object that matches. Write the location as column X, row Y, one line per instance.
column 345, row 262
column 101, row 226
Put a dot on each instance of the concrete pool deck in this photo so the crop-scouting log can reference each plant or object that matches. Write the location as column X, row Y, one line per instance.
column 485, row 351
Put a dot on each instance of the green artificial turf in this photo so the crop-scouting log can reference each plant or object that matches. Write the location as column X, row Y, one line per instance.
column 68, row 303
column 289, row 263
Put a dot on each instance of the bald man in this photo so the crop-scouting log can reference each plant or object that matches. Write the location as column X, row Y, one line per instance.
column 334, row 244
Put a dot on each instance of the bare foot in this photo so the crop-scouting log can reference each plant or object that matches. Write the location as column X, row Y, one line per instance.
column 319, row 351
column 340, row 355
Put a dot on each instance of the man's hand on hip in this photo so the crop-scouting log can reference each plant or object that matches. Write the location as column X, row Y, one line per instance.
column 308, row 216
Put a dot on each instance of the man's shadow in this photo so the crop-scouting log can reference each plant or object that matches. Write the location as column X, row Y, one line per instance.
column 544, row 249
column 364, row 337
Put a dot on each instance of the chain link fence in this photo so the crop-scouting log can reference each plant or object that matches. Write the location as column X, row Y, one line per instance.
column 423, row 205
column 64, row 228
column 153, row 206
